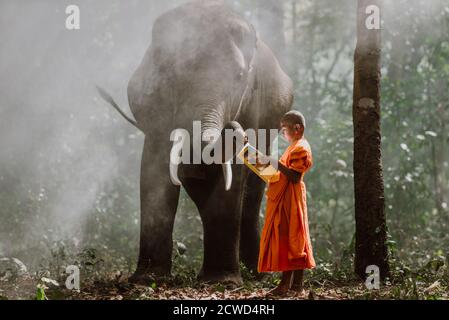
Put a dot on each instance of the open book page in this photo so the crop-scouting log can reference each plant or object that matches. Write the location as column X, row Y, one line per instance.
column 250, row 157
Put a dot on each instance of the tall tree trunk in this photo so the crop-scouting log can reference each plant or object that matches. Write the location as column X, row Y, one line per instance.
column 314, row 102
column 270, row 17
column 294, row 47
column 370, row 236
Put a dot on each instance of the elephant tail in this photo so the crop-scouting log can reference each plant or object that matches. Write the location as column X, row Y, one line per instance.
column 107, row 97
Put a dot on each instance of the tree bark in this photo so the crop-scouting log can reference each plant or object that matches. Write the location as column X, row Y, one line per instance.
column 270, row 17
column 294, row 46
column 371, row 230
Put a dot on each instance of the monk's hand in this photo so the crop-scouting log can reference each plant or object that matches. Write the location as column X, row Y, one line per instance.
column 266, row 159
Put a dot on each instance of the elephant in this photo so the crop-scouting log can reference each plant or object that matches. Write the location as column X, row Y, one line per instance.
column 205, row 63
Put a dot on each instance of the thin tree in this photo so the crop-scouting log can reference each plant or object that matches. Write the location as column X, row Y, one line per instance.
column 270, row 20
column 371, row 230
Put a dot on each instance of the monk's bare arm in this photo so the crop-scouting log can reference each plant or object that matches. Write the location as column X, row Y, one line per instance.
column 292, row 175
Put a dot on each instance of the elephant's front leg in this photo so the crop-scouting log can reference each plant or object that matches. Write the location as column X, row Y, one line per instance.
column 253, row 192
column 221, row 225
column 158, row 201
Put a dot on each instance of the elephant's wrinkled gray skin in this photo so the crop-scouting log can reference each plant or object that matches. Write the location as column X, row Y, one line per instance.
column 197, row 68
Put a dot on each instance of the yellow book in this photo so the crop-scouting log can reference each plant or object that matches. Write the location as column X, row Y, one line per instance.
column 250, row 156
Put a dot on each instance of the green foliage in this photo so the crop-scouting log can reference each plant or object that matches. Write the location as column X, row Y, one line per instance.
column 40, row 293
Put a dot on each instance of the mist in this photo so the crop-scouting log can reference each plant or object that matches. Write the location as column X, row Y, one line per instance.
column 70, row 164
column 63, row 149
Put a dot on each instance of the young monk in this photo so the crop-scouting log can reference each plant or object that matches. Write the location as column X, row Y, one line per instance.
column 285, row 242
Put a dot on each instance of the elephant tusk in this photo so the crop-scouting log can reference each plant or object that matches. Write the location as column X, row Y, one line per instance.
column 175, row 155
column 227, row 173
column 174, row 175
column 174, row 171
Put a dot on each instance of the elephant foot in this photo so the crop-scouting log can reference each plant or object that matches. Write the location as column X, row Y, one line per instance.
column 231, row 279
column 149, row 275
column 144, row 279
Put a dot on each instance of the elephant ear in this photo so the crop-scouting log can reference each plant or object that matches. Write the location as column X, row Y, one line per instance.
column 244, row 37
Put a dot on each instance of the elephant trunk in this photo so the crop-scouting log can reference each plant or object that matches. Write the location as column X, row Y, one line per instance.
column 228, row 141
column 215, row 135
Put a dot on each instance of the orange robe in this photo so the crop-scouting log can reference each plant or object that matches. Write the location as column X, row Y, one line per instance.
column 285, row 242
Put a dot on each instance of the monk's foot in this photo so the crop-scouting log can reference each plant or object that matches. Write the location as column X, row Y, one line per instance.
column 298, row 290
column 297, row 287
column 279, row 291
column 298, row 283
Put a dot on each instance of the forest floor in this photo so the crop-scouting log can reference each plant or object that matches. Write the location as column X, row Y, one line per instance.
column 119, row 289
column 327, row 281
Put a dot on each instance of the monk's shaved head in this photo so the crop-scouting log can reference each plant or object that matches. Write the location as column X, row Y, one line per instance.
column 293, row 117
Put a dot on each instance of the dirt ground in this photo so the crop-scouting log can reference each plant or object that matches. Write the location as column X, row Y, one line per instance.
column 120, row 289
